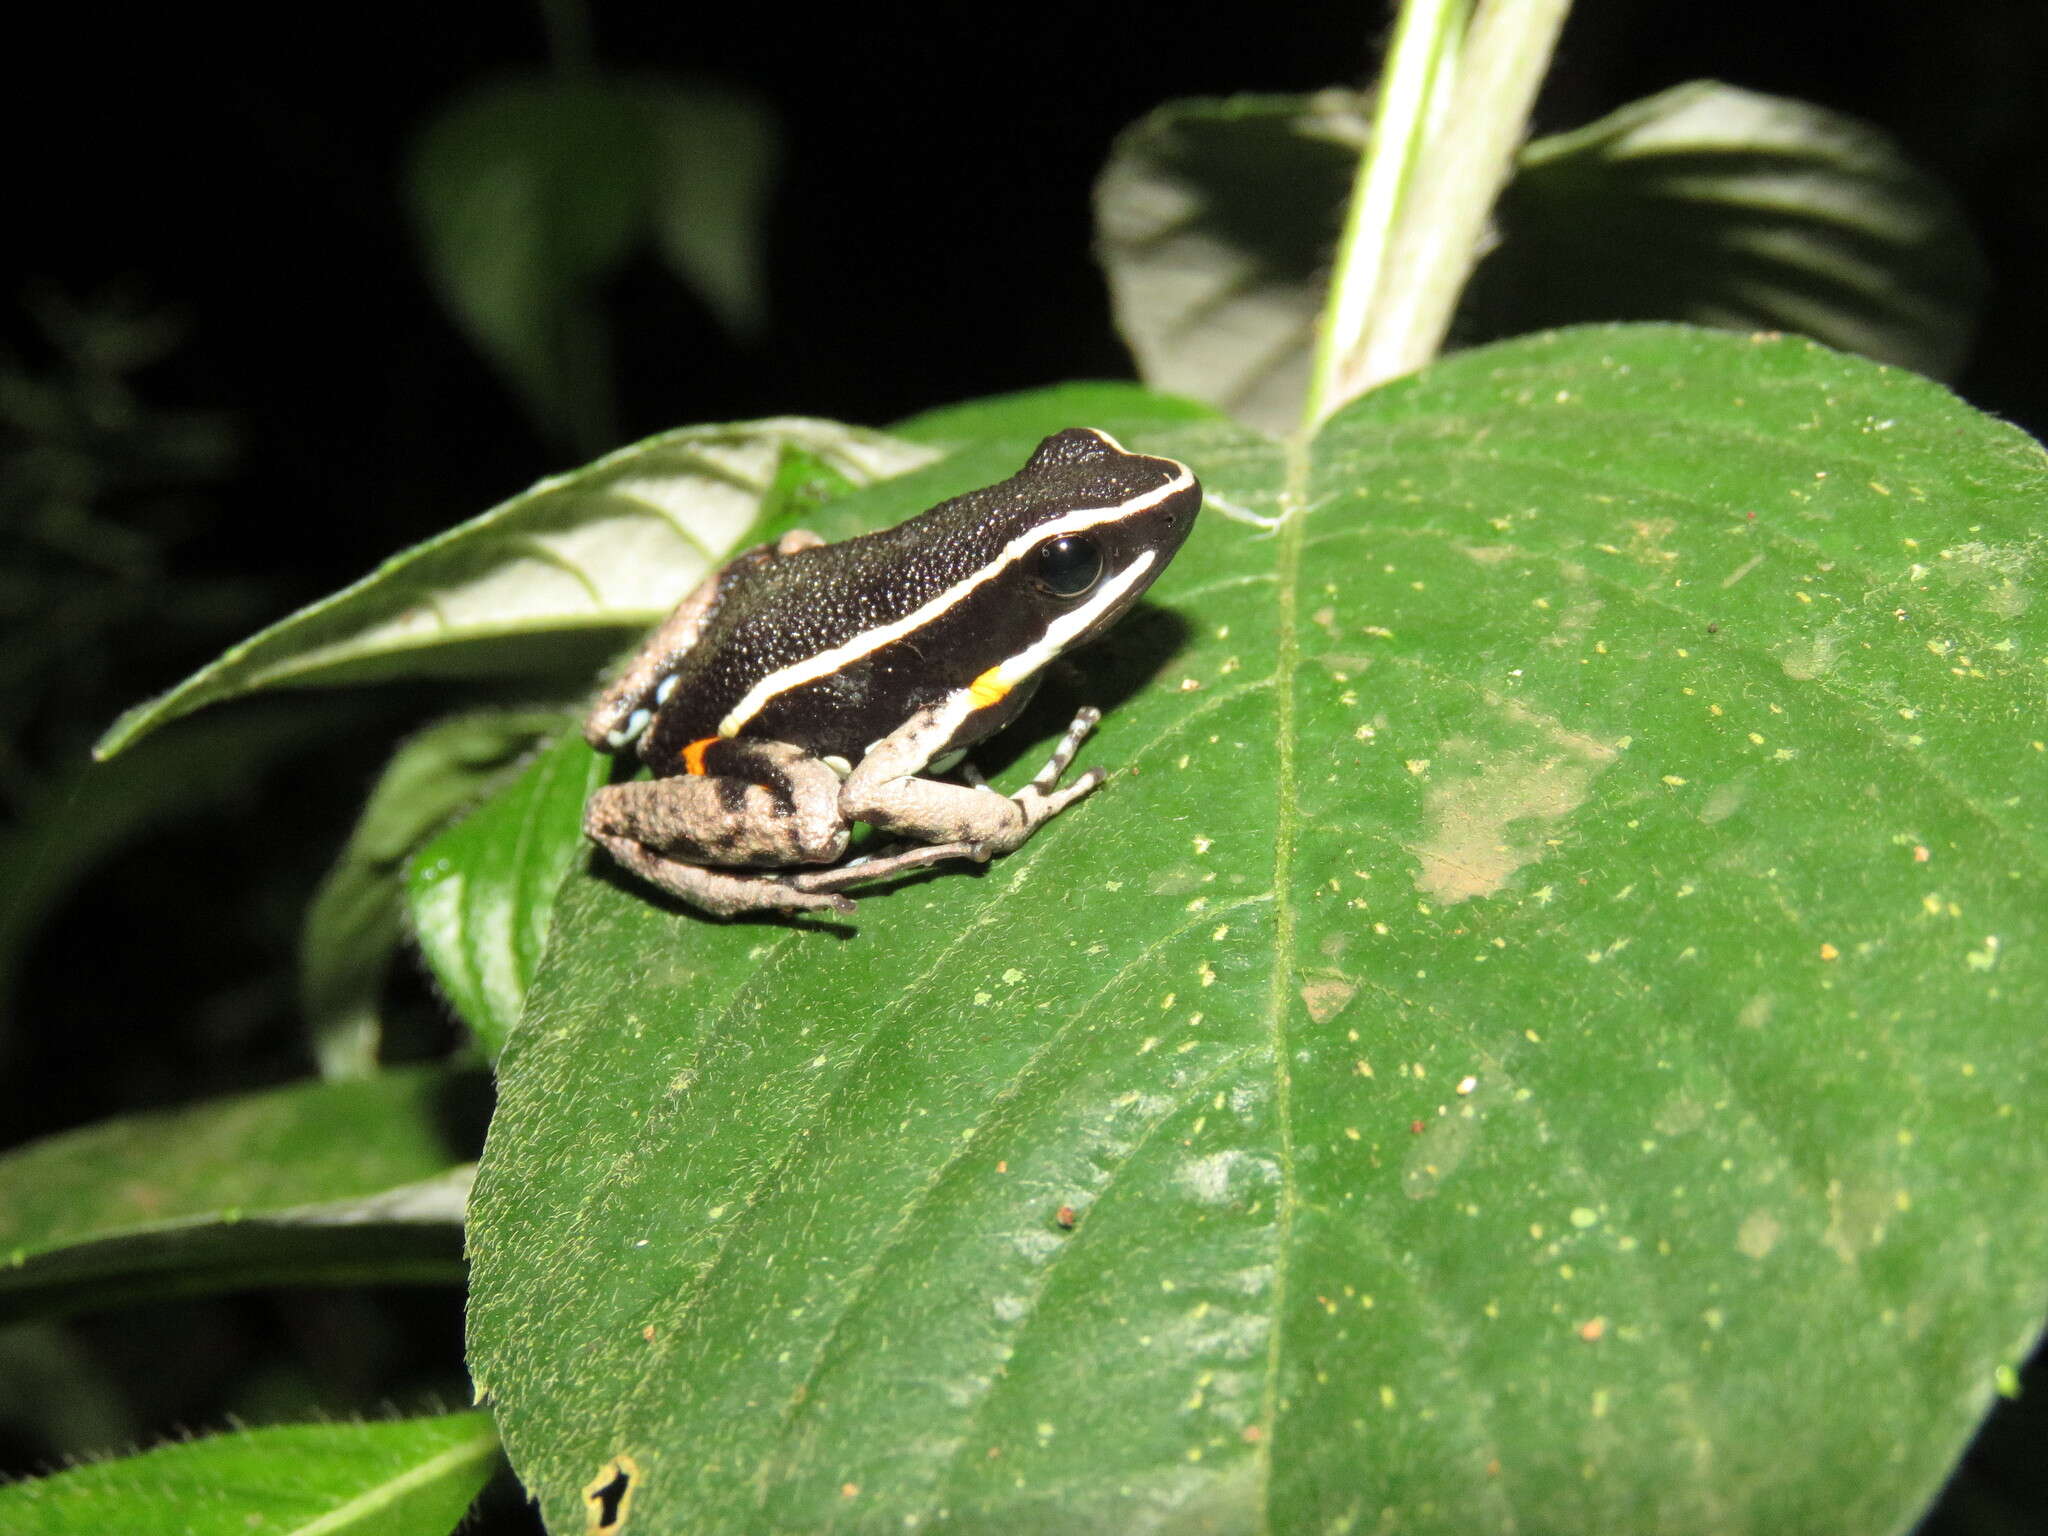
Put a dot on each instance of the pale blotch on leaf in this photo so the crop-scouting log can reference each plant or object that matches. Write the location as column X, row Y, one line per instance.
column 1758, row 1234
column 1435, row 1157
column 1858, row 1211
column 1808, row 658
column 1326, row 997
column 1489, row 806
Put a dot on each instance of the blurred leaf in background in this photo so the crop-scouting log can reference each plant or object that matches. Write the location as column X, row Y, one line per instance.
column 529, row 194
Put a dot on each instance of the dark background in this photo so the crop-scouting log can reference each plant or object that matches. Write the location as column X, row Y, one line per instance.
column 217, row 341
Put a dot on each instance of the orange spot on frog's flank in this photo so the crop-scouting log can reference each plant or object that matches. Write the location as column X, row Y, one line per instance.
column 989, row 688
column 693, row 754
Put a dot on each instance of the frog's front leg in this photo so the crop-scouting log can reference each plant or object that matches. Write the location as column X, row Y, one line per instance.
column 766, row 805
column 954, row 821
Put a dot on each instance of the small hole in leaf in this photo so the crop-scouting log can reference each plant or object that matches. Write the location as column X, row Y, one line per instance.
column 609, row 1495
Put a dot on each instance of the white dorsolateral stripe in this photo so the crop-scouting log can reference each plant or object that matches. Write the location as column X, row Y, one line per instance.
column 962, row 702
column 825, row 663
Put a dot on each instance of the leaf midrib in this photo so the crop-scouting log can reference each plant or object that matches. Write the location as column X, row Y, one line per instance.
column 1293, row 507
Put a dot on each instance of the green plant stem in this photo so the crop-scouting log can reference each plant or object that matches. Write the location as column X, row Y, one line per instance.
column 1398, row 279
column 1421, row 61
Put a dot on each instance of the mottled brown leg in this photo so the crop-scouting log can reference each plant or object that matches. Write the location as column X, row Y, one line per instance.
column 955, row 821
column 722, row 893
column 667, row 831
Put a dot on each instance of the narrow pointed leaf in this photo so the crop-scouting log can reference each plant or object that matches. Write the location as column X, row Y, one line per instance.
column 395, row 1477
column 526, row 194
column 318, row 1183
column 1546, row 1017
column 354, row 921
column 482, row 894
column 597, row 553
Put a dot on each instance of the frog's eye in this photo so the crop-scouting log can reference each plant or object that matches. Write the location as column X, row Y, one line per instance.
column 1069, row 566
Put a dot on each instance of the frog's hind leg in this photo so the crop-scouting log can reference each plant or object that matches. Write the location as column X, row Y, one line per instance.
column 721, row 892
column 784, row 812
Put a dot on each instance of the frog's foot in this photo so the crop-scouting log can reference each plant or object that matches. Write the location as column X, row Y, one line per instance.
column 1041, row 799
column 893, row 860
column 721, row 892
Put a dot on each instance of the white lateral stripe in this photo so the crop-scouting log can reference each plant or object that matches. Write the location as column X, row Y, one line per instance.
column 825, row 663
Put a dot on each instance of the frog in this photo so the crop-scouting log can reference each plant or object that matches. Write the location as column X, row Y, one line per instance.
column 805, row 687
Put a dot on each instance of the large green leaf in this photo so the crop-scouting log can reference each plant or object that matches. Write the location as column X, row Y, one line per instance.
column 482, row 894
column 1543, row 1033
column 396, row 1477
column 1216, row 220
column 597, row 553
column 319, row 1183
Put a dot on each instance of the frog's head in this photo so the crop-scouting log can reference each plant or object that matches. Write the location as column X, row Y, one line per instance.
column 1084, row 528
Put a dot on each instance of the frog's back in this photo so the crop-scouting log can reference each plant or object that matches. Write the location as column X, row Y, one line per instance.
column 833, row 647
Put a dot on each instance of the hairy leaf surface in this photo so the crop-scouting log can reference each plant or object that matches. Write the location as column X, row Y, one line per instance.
column 318, row 1183
column 397, row 1477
